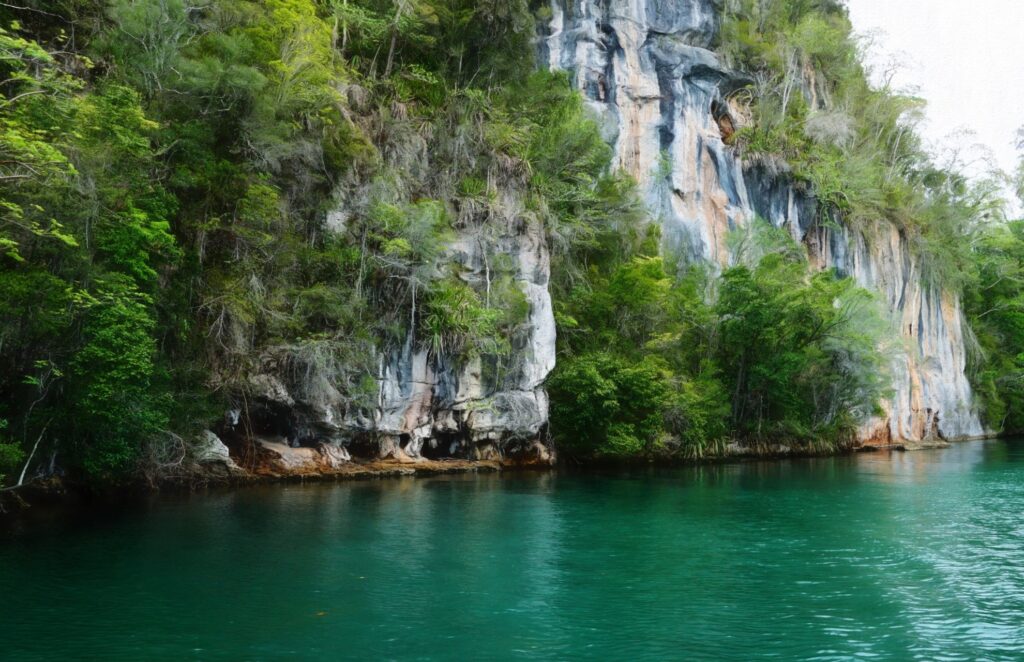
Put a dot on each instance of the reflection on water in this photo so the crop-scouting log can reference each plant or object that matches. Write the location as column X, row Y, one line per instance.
column 891, row 556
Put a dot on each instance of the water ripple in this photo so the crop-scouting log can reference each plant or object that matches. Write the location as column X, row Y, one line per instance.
column 912, row 557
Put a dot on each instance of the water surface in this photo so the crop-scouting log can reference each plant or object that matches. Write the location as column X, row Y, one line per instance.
column 875, row 556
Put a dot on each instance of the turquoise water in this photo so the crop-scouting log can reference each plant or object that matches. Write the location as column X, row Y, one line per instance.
column 876, row 556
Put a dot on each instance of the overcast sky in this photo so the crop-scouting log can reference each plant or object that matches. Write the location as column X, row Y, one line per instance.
column 965, row 57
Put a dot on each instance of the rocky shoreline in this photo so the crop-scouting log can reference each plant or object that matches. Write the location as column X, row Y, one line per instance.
column 54, row 491
column 226, row 472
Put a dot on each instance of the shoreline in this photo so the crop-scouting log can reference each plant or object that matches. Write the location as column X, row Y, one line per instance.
column 56, row 492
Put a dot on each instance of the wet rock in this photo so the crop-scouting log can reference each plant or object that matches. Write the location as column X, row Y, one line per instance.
column 210, row 450
column 931, row 444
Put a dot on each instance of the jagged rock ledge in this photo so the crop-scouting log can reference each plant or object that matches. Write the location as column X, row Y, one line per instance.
column 281, row 463
column 260, row 459
column 276, row 460
column 195, row 475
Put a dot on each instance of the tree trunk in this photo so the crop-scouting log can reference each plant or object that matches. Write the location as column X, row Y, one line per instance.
column 35, row 446
column 394, row 38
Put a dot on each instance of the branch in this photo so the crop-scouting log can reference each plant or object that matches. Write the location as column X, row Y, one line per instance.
column 8, row 102
column 20, row 479
column 33, row 9
column 996, row 310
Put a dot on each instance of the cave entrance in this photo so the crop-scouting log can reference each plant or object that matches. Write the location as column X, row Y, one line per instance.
column 440, row 447
column 364, row 447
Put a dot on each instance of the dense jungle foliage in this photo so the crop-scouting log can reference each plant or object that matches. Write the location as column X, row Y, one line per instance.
column 768, row 351
column 994, row 302
column 170, row 175
column 167, row 171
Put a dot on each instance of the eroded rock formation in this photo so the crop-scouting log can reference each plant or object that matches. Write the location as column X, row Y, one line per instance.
column 426, row 405
column 663, row 97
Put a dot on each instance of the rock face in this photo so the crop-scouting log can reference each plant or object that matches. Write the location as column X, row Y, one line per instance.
column 663, row 101
column 426, row 406
column 457, row 410
column 212, row 459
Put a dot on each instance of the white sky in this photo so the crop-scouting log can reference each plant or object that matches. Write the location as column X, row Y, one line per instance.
column 965, row 57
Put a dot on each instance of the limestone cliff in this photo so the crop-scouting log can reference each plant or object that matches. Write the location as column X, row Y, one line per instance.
column 663, row 97
column 425, row 404
column 429, row 406
column 664, row 100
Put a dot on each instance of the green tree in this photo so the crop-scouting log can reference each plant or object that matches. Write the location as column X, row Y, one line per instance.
column 607, row 406
column 117, row 403
column 994, row 305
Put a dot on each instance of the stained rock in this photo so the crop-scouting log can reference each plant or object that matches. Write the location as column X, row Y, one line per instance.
column 645, row 66
column 422, row 397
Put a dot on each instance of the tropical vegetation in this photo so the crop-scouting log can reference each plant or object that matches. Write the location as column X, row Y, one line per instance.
column 171, row 174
